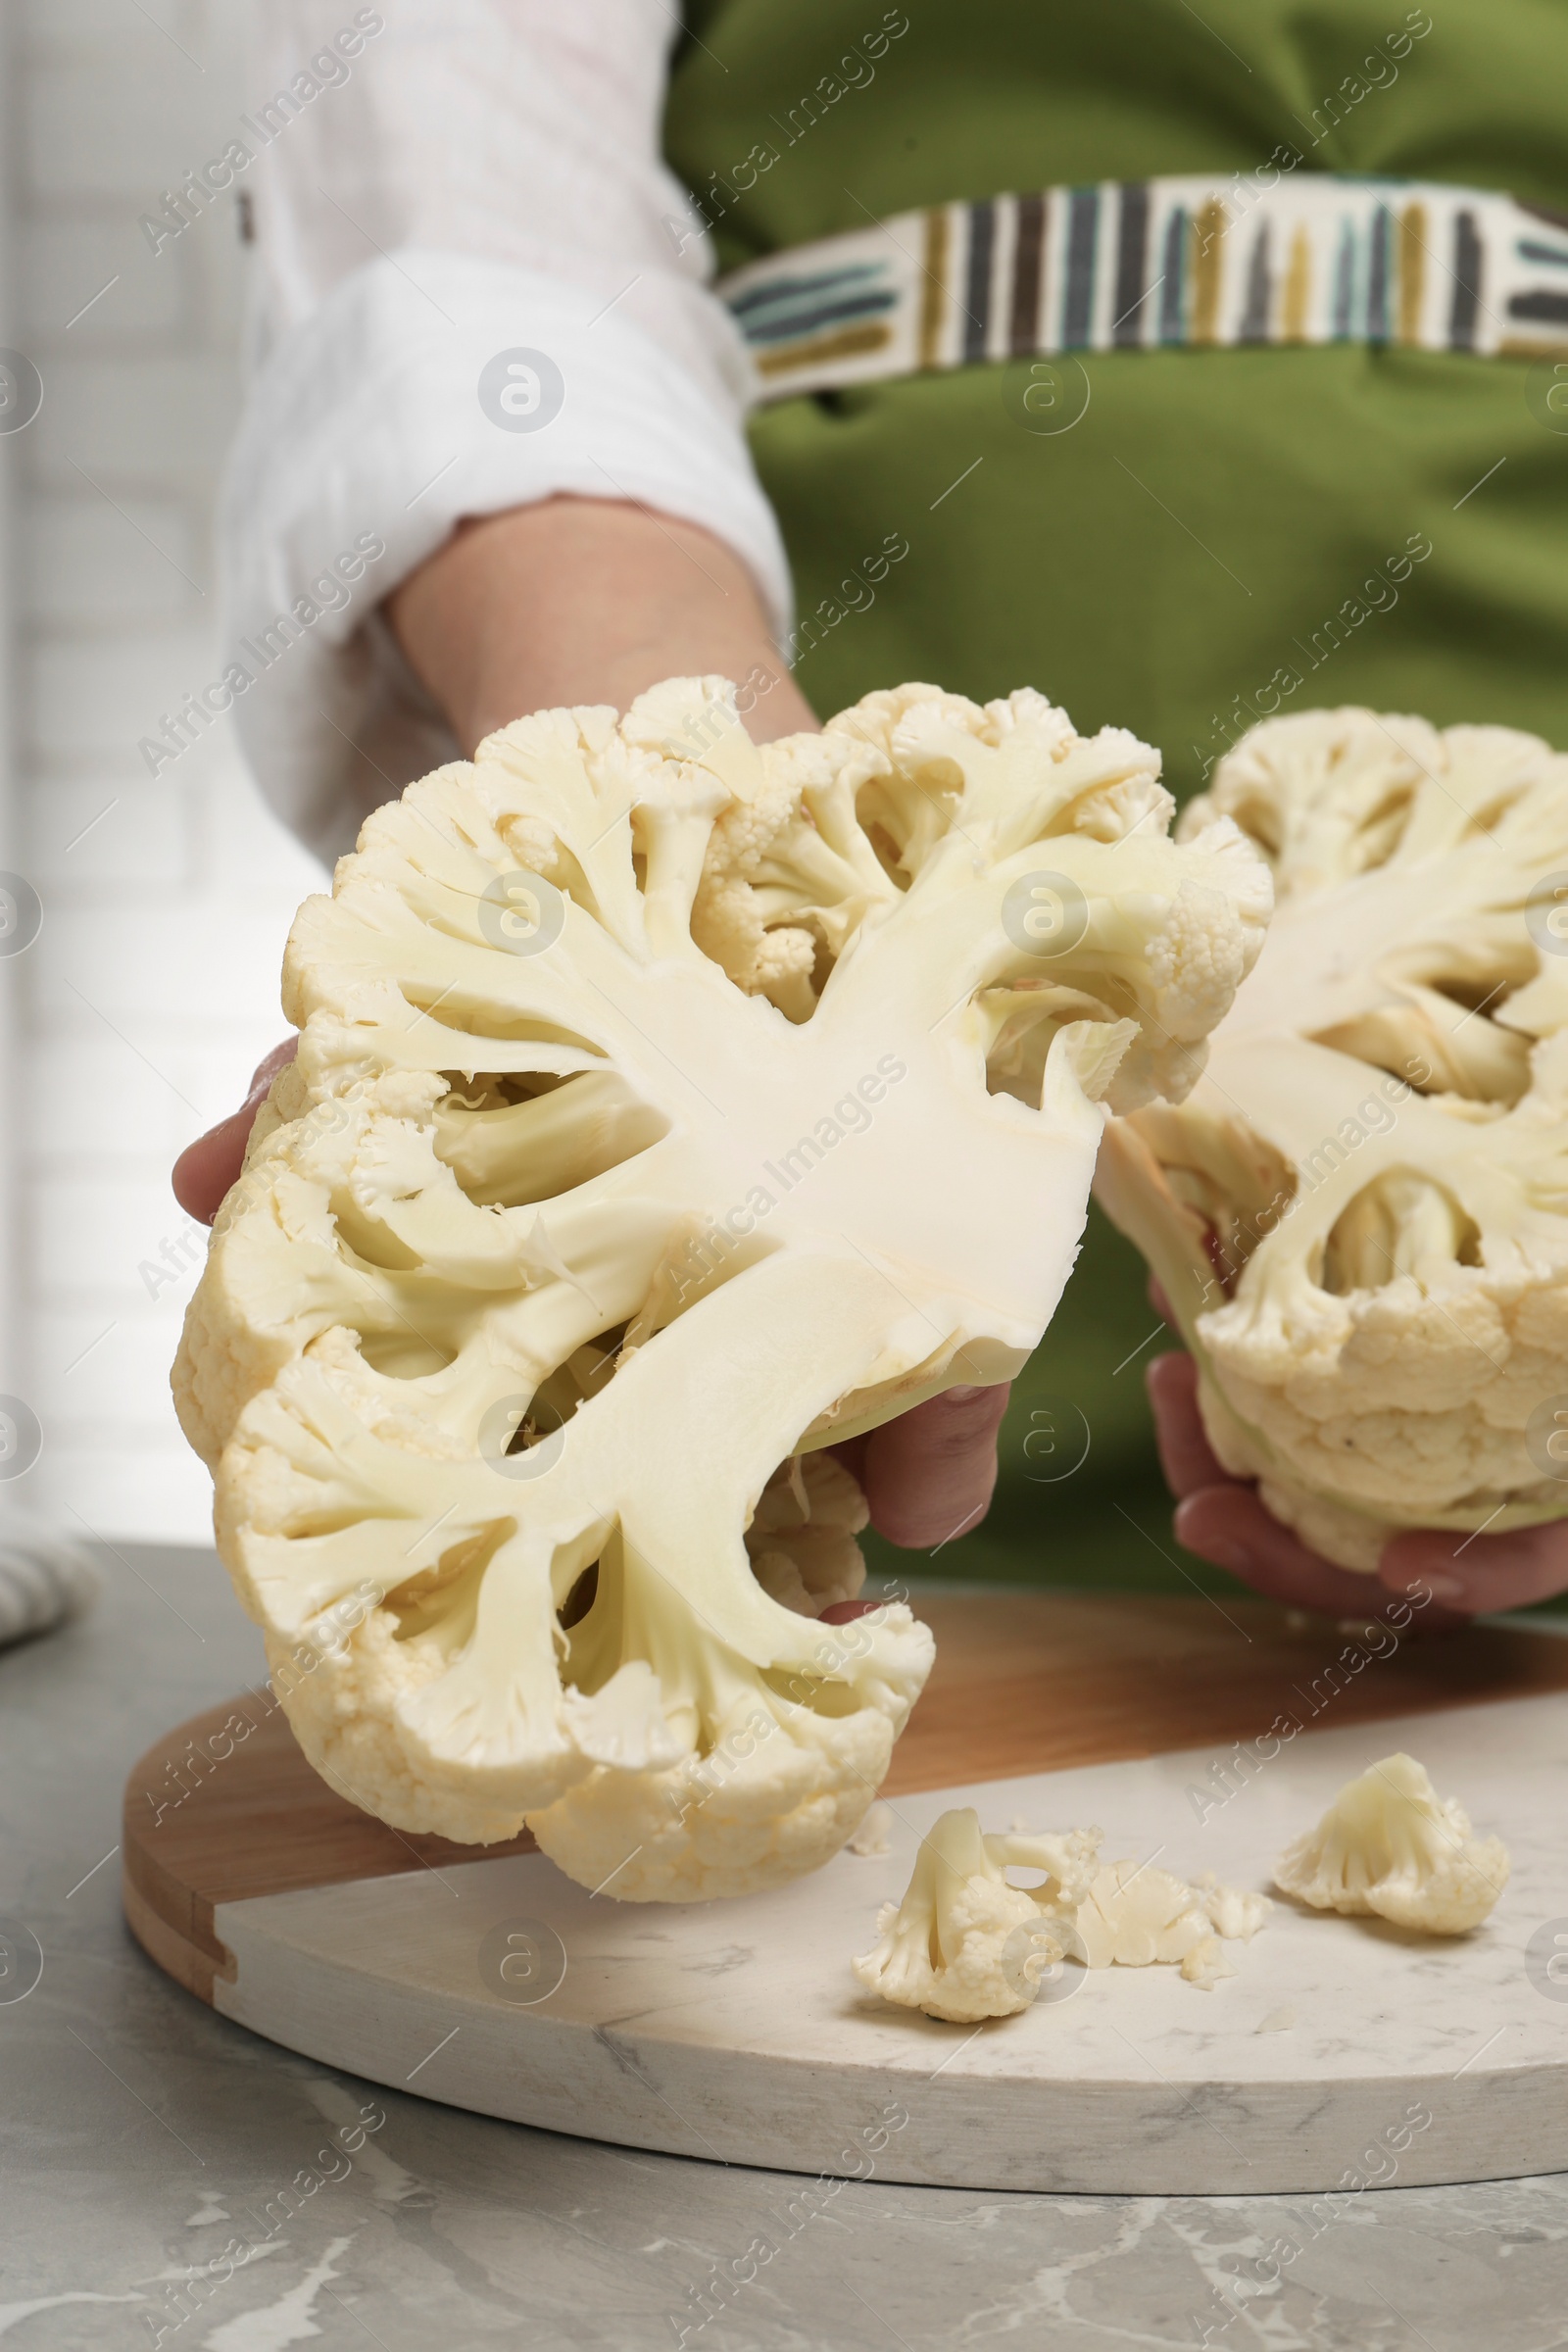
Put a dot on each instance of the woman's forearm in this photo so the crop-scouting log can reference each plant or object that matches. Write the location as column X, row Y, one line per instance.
column 572, row 601
column 578, row 601
column 585, row 600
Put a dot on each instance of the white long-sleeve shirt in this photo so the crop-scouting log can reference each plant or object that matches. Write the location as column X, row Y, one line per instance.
column 469, row 179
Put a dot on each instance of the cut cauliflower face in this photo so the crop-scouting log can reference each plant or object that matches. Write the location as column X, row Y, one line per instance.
column 664, row 1111
column 1361, row 1213
column 1389, row 1844
column 963, row 1944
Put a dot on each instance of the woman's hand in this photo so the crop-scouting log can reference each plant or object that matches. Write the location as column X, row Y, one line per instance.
column 928, row 1477
column 1222, row 1519
column 207, row 1168
column 589, row 601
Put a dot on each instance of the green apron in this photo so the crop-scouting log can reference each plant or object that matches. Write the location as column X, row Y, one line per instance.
column 1215, row 523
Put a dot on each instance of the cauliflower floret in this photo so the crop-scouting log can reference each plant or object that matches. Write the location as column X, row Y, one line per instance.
column 963, row 1944
column 778, row 1794
column 789, row 873
column 802, row 1536
column 1358, row 1213
column 1389, row 1844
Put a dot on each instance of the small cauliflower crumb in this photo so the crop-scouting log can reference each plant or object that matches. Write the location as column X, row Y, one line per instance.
column 1278, row 2021
column 1234, row 1912
column 1207, row 1965
column 872, row 1837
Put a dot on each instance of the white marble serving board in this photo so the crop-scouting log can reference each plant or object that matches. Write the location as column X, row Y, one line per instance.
column 736, row 2030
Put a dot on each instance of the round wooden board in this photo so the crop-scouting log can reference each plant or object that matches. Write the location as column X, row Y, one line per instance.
column 736, row 2030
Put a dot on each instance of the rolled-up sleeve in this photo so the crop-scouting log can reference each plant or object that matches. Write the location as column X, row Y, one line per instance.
column 477, row 286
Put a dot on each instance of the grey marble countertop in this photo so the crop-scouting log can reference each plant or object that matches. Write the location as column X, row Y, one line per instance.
column 145, row 2143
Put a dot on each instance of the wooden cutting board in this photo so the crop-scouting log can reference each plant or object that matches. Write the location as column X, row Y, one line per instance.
column 269, row 1895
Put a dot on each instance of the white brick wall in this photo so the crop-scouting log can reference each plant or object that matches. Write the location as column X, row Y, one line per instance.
column 153, row 987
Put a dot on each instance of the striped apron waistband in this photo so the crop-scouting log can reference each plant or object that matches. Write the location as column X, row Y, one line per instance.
column 1139, row 264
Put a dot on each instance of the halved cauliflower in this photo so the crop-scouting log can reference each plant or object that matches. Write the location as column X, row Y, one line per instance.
column 1389, row 1844
column 1359, row 1214
column 660, row 1118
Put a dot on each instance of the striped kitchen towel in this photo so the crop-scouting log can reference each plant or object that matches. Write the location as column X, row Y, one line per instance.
column 1134, row 265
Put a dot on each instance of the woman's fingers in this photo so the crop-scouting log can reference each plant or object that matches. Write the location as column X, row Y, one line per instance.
column 845, row 1612
column 1230, row 1527
column 1222, row 1519
column 928, row 1476
column 1160, row 1304
column 1511, row 1571
column 207, row 1168
column 1185, row 1454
